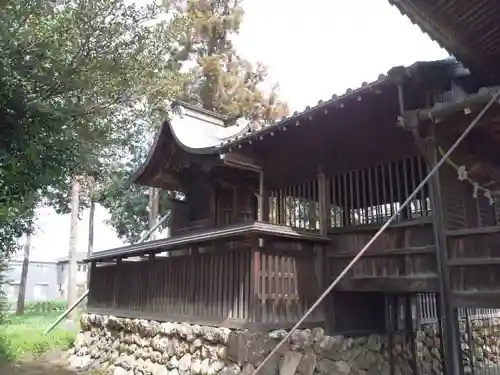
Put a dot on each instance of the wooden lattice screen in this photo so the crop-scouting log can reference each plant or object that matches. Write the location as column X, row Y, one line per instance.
column 371, row 195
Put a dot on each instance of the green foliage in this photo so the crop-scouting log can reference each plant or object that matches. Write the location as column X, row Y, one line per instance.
column 127, row 202
column 75, row 79
column 3, row 297
column 37, row 307
column 84, row 83
column 24, row 335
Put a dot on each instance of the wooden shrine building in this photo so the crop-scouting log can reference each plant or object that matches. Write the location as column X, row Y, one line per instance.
column 271, row 215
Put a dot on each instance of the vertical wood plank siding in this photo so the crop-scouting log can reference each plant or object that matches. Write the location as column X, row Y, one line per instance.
column 225, row 285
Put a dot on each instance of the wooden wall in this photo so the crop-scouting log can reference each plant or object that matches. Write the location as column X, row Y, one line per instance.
column 197, row 287
column 288, row 282
column 243, row 283
column 234, row 284
column 474, row 261
column 215, row 200
column 401, row 259
column 472, row 235
column 358, row 203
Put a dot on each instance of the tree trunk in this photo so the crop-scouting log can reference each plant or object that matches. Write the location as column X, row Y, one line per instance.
column 73, row 243
column 21, row 297
column 90, row 248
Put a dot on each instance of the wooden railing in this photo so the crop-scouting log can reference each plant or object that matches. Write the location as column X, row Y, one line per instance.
column 194, row 286
column 258, row 275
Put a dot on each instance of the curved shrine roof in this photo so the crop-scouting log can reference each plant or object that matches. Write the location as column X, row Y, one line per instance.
column 198, row 132
column 190, row 130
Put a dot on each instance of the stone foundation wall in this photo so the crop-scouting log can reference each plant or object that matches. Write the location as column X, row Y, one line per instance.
column 120, row 346
column 481, row 345
column 479, row 341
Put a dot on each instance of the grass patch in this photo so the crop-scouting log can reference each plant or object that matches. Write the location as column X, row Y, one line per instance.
column 22, row 335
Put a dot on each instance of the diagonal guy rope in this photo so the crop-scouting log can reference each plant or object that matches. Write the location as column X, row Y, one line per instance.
column 84, row 295
column 380, row 231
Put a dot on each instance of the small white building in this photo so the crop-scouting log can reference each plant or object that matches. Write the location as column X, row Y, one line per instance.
column 81, row 275
column 41, row 282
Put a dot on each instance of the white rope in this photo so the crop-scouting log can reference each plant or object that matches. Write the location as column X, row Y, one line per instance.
column 344, row 272
column 462, row 175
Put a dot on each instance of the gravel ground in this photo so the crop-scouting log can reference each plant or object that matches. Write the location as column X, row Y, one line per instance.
column 35, row 368
column 52, row 363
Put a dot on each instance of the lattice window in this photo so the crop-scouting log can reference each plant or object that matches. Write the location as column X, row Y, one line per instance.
column 295, row 205
column 372, row 195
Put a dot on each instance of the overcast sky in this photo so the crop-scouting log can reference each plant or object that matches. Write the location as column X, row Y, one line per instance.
column 314, row 49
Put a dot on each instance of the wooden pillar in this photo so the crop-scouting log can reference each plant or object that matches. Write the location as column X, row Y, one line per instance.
column 149, row 298
column 154, row 203
column 213, row 206
column 255, row 313
column 451, row 334
column 324, row 206
column 116, row 282
column 234, row 215
column 324, row 226
column 91, row 283
column 263, row 199
column 279, row 208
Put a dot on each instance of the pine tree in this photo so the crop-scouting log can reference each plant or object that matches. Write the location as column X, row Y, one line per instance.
column 223, row 81
column 199, row 33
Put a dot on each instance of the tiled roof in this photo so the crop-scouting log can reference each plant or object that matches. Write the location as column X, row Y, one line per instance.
column 336, row 101
column 467, row 29
column 306, row 114
column 202, row 132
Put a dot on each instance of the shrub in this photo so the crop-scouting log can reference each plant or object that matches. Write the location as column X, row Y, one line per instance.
column 42, row 307
column 3, row 297
column 38, row 307
column 24, row 334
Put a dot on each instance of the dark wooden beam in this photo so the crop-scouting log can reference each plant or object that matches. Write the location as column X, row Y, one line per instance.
column 385, row 252
column 263, row 197
column 472, row 231
column 390, row 284
column 477, row 299
column 464, row 262
column 425, row 220
column 324, row 209
column 451, row 333
column 242, row 161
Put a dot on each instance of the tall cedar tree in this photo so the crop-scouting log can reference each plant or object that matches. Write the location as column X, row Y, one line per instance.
column 224, row 81
column 199, row 32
